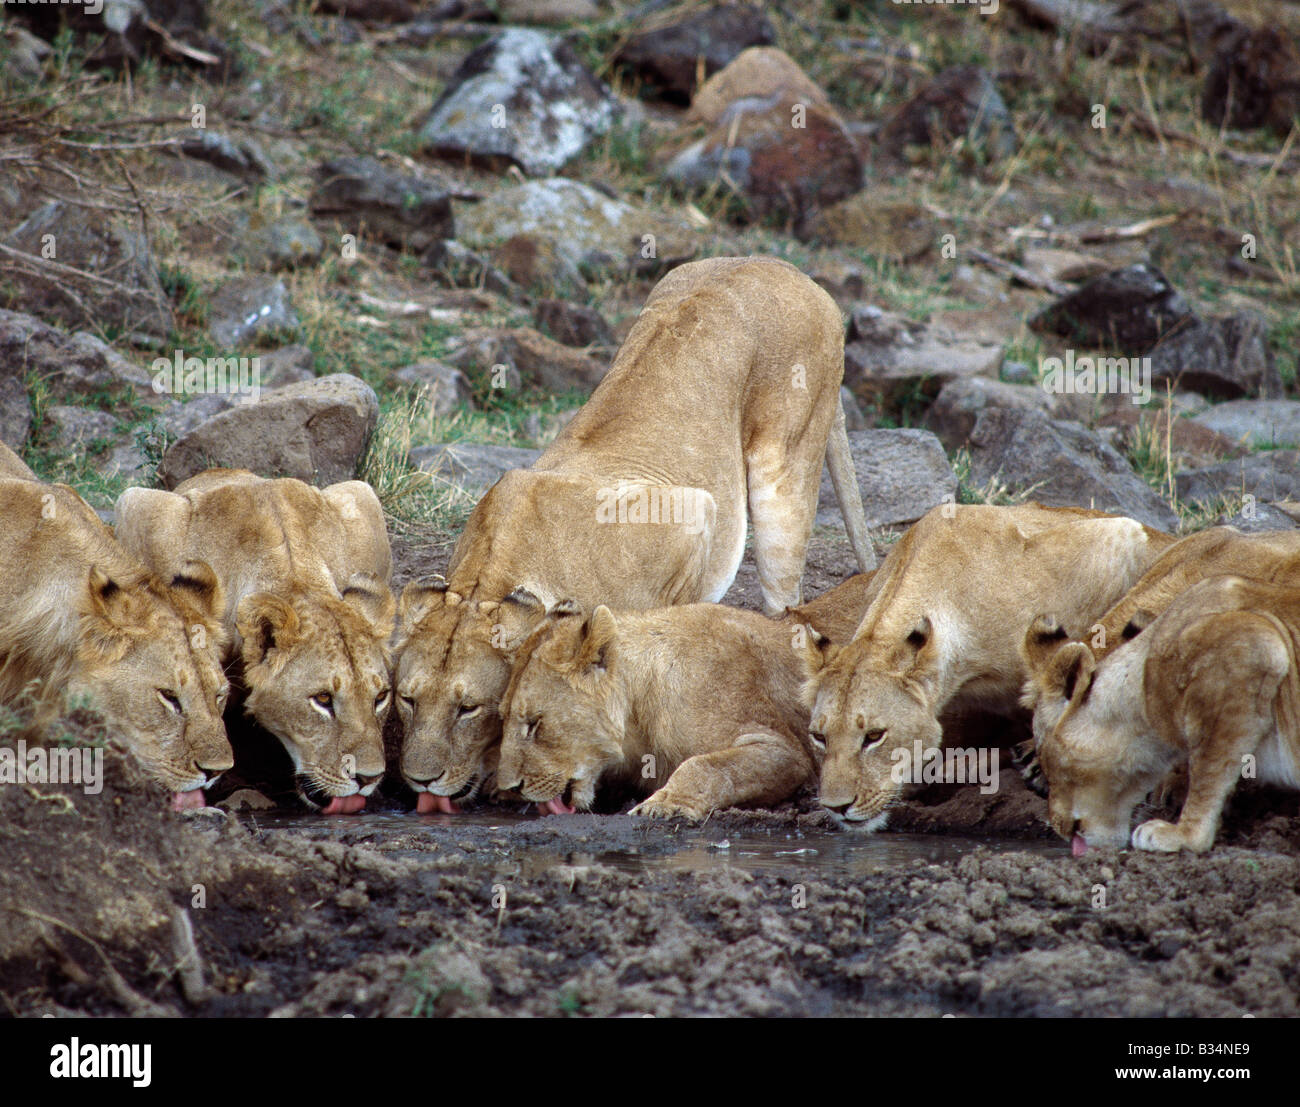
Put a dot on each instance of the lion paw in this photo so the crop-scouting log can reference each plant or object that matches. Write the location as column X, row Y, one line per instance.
column 660, row 806
column 1158, row 835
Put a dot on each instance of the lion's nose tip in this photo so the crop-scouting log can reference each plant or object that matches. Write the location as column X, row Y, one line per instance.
column 365, row 780
column 837, row 808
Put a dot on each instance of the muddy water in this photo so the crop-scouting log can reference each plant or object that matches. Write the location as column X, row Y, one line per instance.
column 529, row 845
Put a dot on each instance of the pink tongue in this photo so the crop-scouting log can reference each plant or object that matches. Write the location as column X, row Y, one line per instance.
column 556, row 806
column 1078, row 846
column 428, row 804
column 344, row 805
column 188, row 801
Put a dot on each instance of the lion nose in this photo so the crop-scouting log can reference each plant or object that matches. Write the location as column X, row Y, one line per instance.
column 364, row 781
column 837, row 808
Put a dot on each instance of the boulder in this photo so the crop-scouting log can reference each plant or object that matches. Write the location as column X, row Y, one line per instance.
column 1128, row 310
column 572, row 324
column 1064, row 463
column 1255, row 423
column 248, row 308
column 902, row 473
column 1226, row 358
column 471, row 466
column 959, row 102
column 953, row 414
column 1254, row 80
column 365, row 198
column 1268, row 477
column 446, row 386
column 521, row 98
column 539, row 362
column 316, row 431
column 70, row 364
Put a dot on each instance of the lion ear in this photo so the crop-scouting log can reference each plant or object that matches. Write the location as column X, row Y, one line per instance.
column 817, row 650
column 199, row 584
column 419, row 599
column 1069, row 672
column 1043, row 638
column 374, row 599
column 1140, row 620
column 597, row 637
column 108, row 600
column 265, row 623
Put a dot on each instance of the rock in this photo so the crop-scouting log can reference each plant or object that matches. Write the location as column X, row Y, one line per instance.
column 1256, row 518
column 846, row 281
column 471, row 466
column 247, row 308
column 854, row 419
column 573, row 324
column 671, row 56
column 1227, row 358
column 1254, row 80
column 126, row 461
column 15, row 412
column 776, row 139
column 287, row 365
column 71, row 365
column 1018, row 372
column 542, row 429
column 1187, row 442
column 573, row 230
column 953, row 414
column 546, row 11
column 1064, row 463
column 540, row 362
column 287, row 244
column 897, row 231
column 25, row 54
column 1268, row 477
column 182, row 416
column 959, row 102
column 75, row 428
column 241, row 157
column 524, row 98
column 888, row 358
column 110, row 249
column 362, row 196
column 1126, row 309
column 447, row 386
column 902, row 473
column 1267, row 423
column 316, row 431
column 462, row 267
column 1052, row 264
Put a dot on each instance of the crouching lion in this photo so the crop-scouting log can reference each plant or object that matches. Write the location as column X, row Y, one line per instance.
column 1213, row 684
column 716, row 412
column 307, row 607
column 77, row 611
column 697, row 705
column 943, row 630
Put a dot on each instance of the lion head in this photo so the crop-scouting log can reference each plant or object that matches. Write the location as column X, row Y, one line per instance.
column 453, row 665
column 316, row 668
column 870, row 702
column 147, row 660
column 562, row 727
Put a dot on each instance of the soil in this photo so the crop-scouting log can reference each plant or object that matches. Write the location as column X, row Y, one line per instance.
column 975, row 910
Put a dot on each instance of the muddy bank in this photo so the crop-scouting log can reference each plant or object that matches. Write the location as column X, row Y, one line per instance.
column 399, row 915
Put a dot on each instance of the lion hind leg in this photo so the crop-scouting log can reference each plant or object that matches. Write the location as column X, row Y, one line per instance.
column 760, row 767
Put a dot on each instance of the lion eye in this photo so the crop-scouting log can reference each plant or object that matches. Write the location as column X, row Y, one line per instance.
column 223, row 695
column 531, row 726
column 408, row 702
column 170, row 700
column 324, row 700
column 381, row 700
column 467, row 709
column 872, row 739
column 818, row 739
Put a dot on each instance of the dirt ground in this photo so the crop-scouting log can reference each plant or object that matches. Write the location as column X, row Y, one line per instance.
column 390, row 914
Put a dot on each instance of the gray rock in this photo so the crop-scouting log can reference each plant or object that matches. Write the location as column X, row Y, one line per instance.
column 246, row 308
column 1017, row 372
column 288, row 243
column 122, row 291
column 73, row 428
column 27, row 55
column 287, row 365
column 1268, row 477
column 70, row 364
column 127, row 461
column 1066, row 464
column 401, row 209
column 578, row 230
column 953, row 414
column 523, row 97
column 573, row 324
column 1226, row 358
column 1261, row 517
column 1257, row 423
column 887, row 358
column 241, row 157
column 540, row 362
column 471, row 466
column 447, row 386
column 669, row 56
column 15, row 412
column 1127, row 310
column 316, row 431
column 183, row 416
column 902, row 473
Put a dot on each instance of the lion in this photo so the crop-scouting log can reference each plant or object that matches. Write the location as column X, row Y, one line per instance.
column 12, row 466
column 307, row 607
column 835, row 615
column 79, row 613
column 1213, row 684
column 1270, row 556
column 942, row 634
column 696, row 706
column 716, row 412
